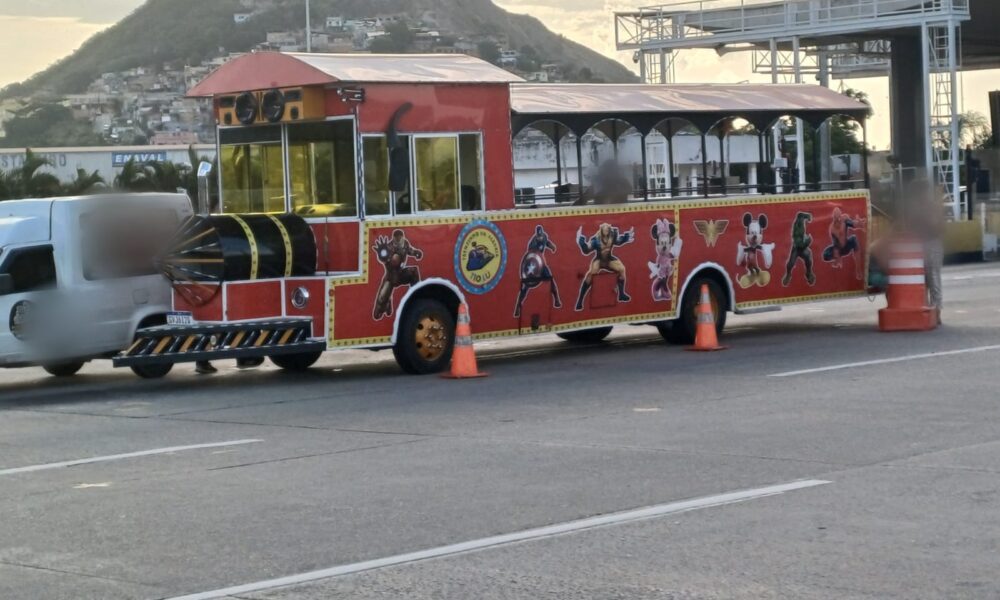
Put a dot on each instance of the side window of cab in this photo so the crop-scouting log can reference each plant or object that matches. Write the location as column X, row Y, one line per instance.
column 28, row 270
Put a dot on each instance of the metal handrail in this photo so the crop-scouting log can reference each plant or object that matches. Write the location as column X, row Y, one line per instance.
column 707, row 18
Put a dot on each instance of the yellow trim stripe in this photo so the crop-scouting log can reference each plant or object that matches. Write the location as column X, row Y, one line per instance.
column 284, row 338
column 187, row 343
column 252, row 240
column 162, row 345
column 260, row 338
column 238, row 339
column 288, row 244
column 134, row 346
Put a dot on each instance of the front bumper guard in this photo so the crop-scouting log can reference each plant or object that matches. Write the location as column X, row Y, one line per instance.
column 169, row 344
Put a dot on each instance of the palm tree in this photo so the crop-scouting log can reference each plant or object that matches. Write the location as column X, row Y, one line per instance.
column 85, row 183
column 133, row 178
column 166, row 176
column 29, row 180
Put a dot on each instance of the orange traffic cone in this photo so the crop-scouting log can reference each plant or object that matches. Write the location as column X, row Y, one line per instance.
column 463, row 357
column 907, row 308
column 705, row 338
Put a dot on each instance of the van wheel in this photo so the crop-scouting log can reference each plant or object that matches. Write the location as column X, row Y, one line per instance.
column 682, row 330
column 586, row 336
column 296, row 362
column 152, row 371
column 425, row 338
column 68, row 369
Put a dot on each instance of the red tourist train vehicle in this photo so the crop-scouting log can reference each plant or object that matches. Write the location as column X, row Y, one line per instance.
column 363, row 197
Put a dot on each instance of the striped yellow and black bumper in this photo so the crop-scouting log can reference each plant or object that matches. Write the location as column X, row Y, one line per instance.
column 213, row 341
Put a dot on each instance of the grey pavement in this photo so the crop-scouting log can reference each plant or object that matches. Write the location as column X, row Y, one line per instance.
column 355, row 462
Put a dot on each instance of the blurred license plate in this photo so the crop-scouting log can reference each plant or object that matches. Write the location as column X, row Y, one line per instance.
column 180, row 318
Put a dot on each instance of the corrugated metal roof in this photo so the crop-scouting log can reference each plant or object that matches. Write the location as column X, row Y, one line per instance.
column 408, row 68
column 550, row 99
column 264, row 70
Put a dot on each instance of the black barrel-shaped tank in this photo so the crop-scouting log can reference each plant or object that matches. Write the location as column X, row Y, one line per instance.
column 219, row 248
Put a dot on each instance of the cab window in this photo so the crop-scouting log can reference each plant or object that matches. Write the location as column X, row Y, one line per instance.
column 252, row 165
column 323, row 169
column 471, row 179
column 436, row 161
column 30, row 269
column 380, row 200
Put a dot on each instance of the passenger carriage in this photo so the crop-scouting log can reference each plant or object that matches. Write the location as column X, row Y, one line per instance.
column 364, row 197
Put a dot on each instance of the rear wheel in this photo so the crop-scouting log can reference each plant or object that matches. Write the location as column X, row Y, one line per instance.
column 67, row 369
column 296, row 362
column 586, row 336
column 425, row 338
column 152, row 371
column 682, row 330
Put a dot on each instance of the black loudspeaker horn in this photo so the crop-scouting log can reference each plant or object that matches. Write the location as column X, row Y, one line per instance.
column 247, row 108
column 272, row 106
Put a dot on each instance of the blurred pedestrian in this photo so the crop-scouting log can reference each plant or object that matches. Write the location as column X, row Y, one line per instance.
column 927, row 220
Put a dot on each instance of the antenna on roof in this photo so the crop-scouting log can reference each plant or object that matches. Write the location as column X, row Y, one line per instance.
column 309, row 33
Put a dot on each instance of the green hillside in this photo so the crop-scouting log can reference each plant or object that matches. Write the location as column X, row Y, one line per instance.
column 188, row 31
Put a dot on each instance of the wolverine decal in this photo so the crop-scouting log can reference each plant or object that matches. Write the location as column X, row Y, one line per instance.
column 602, row 245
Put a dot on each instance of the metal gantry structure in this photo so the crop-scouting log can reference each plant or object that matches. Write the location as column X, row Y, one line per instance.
column 826, row 38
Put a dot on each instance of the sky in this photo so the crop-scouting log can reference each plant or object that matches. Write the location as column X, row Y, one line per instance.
column 36, row 33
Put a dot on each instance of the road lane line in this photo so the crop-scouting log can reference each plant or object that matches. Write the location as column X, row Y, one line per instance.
column 100, row 459
column 527, row 535
column 884, row 361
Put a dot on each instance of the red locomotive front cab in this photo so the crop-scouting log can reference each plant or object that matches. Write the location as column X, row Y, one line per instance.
column 364, row 197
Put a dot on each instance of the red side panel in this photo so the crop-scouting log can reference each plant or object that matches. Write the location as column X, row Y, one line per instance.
column 315, row 305
column 253, row 300
column 212, row 311
column 337, row 244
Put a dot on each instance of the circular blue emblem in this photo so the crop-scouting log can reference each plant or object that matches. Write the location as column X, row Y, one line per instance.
column 480, row 256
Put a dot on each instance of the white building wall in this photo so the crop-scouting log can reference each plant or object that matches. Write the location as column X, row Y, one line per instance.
column 107, row 160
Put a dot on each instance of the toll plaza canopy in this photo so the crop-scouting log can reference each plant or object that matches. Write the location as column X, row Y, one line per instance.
column 266, row 70
column 581, row 106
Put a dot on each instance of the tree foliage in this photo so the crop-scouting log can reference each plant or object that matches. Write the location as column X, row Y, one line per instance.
column 47, row 124
column 32, row 179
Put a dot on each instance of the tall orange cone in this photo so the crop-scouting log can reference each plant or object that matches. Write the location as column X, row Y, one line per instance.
column 705, row 338
column 463, row 357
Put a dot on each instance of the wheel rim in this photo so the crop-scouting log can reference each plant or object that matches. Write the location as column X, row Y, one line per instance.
column 431, row 338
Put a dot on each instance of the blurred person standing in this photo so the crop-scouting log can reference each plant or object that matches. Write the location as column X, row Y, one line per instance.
column 926, row 218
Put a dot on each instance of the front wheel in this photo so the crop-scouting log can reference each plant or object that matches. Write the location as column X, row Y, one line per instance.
column 682, row 330
column 586, row 336
column 152, row 371
column 425, row 338
column 67, row 369
column 296, row 362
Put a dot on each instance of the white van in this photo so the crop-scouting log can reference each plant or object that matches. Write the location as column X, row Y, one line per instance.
column 78, row 276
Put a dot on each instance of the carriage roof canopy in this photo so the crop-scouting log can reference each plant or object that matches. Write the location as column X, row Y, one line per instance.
column 265, row 70
column 644, row 105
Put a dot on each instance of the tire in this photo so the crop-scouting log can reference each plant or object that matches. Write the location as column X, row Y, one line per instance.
column 682, row 330
column 426, row 337
column 67, row 369
column 586, row 336
column 296, row 362
column 152, row 371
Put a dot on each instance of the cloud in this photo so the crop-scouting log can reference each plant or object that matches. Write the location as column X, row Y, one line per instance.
column 38, row 42
column 102, row 12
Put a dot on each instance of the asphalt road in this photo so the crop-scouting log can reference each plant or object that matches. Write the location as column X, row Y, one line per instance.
column 354, row 481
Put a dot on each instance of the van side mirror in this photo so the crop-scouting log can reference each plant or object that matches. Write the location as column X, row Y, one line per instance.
column 6, row 284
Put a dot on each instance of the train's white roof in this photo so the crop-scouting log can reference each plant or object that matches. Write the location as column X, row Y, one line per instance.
column 561, row 98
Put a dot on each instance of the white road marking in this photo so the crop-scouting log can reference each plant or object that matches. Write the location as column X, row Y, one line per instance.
column 548, row 531
column 87, row 486
column 100, row 459
column 883, row 361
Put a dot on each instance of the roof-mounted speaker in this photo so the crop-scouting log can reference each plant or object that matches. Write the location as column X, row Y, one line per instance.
column 247, row 108
column 272, row 106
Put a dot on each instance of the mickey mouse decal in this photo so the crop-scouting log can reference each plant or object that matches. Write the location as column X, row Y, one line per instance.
column 755, row 254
